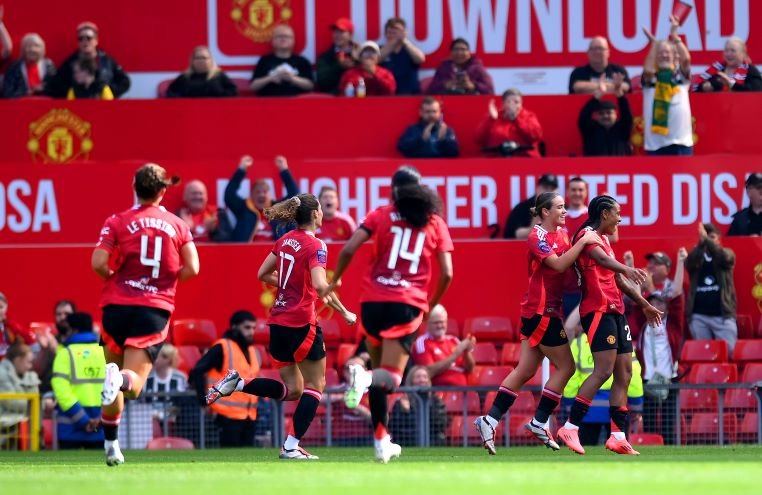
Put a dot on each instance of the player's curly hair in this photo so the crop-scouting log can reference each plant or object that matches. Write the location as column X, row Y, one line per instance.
column 416, row 203
column 543, row 201
column 151, row 179
column 298, row 209
column 595, row 210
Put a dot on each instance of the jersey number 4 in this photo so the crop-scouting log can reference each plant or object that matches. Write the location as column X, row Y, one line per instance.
column 282, row 281
column 401, row 248
column 155, row 261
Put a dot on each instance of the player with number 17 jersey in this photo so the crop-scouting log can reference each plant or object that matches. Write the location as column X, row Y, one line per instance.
column 402, row 257
column 145, row 243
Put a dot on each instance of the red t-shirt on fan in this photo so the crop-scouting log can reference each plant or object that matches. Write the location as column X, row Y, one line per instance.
column 145, row 244
column 338, row 228
column 427, row 350
column 546, row 286
column 298, row 252
column 599, row 290
column 401, row 263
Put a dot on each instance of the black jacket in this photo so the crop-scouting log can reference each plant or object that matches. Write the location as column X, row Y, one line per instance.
column 14, row 84
column 599, row 141
column 108, row 72
column 200, row 86
column 412, row 145
column 519, row 217
column 746, row 222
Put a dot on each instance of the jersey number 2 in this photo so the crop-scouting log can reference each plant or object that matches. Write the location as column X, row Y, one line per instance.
column 401, row 248
column 155, row 261
column 282, row 281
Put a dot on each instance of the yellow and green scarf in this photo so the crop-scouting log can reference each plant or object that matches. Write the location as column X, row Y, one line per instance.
column 666, row 88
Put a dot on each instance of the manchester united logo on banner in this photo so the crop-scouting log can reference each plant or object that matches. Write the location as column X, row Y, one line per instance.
column 60, row 136
column 256, row 19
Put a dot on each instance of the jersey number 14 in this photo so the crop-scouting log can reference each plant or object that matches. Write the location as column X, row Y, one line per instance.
column 401, row 248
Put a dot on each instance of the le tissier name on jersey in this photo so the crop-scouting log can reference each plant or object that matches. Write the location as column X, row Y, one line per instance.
column 151, row 223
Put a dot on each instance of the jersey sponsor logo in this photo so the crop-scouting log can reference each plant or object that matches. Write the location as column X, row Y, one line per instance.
column 142, row 284
column 395, row 280
column 60, row 136
column 611, row 340
column 543, row 247
column 322, row 256
column 280, row 302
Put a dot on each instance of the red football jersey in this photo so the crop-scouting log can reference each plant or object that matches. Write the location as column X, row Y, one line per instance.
column 339, row 228
column 546, row 286
column 599, row 290
column 298, row 252
column 146, row 241
column 427, row 350
column 400, row 269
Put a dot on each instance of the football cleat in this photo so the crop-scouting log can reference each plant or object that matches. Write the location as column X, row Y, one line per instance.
column 620, row 446
column 385, row 450
column 542, row 434
column 297, row 453
column 222, row 388
column 114, row 456
column 487, row 432
column 111, row 384
column 571, row 439
column 359, row 381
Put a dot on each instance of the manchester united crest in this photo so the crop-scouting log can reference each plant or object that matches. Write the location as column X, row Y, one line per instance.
column 611, row 340
column 60, row 136
column 256, row 19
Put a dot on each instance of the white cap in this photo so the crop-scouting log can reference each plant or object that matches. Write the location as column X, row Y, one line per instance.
column 372, row 45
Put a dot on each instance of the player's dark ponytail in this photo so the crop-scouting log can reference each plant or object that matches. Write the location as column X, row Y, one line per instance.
column 298, row 209
column 416, row 203
column 595, row 210
column 543, row 201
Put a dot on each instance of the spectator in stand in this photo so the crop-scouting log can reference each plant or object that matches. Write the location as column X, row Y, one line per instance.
column 401, row 57
column 734, row 72
column 237, row 413
column 749, row 220
column 658, row 349
column 603, row 134
column 332, row 63
column 337, row 225
column 85, row 83
column 519, row 222
column 165, row 379
column 29, row 75
column 78, row 372
column 205, row 220
column 251, row 224
column 667, row 126
column 16, row 376
column 48, row 344
column 376, row 80
column 447, row 359
column 598, row 73
column 6, row 44
column 403, row 419
column 203, row 79
column 462, row 74
column 282, row 73
column 430, row 137
column 711, row 303
column 10, row 331
column 576, row 204
column 108, row 72
column 512, row 123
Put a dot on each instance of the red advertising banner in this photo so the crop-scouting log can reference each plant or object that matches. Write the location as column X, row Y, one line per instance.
column 489, row 279
column 661, row 197
column 325, row 128
column 525, row 43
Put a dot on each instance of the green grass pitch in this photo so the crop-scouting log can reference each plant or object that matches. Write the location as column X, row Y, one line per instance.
column 731, row 470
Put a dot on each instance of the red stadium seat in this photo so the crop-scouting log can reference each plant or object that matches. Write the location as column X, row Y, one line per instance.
column 518, row 433
column 161, row 89
column 704, row 351
column 488, row 376
column 455, row 431
column 332, row 377
column 749, row 428
column 646, row 439
column 455, row 402
column 192, row 331
column 747, row 351
column 343, row 354
column 350, row 334
column 705, row 428
column 713, row 373
column 740, row 400
column 485, row 353
column 752, row 373
column 189, row 356
column 489, row 329
column 452, row 327
column 166, row 443
column 425, row 83
column 262, row 333
column 264, row 356
column 511, row 353
column 699, row 400
column 745, row 328
column 524, row 403
column 244, row 86
column 331, row 333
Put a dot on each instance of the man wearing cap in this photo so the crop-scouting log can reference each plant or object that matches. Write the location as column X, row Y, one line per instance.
column 749, row 220
column 282, row 73
column 107, row 71
column 377, row 80
column 401, row 57
column 519, row 222
column 602, row 133
column 332, row 63
column 711, row 304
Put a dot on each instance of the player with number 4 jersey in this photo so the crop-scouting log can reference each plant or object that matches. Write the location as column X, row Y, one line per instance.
column 141, row 254
column 395, row 296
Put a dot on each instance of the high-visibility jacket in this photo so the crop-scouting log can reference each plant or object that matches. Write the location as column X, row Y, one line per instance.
column 78, row 372
column 238, row 405
column 599, row 410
